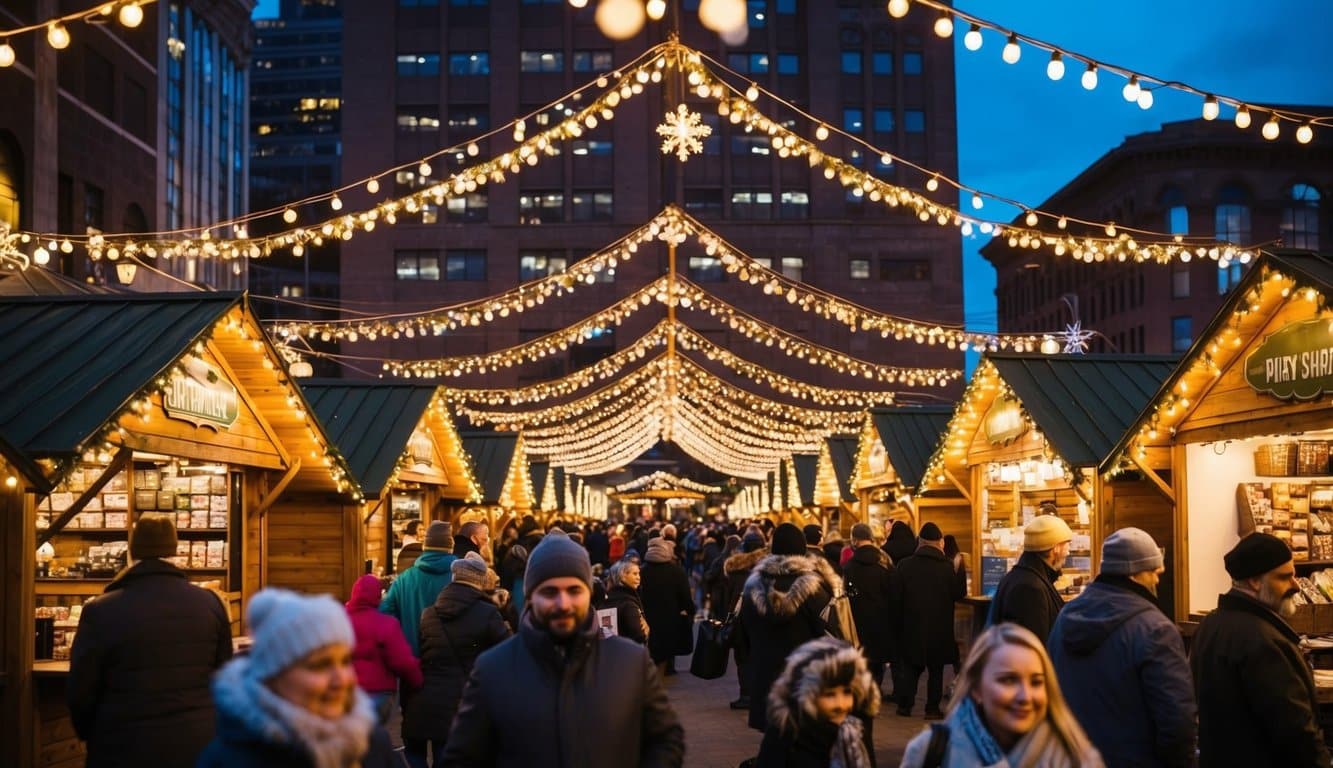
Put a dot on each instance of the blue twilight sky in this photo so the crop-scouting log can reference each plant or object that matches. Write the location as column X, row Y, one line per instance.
column 1023, row 137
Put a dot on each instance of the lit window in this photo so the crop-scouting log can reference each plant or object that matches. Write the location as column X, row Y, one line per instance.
column 472, row 63
column 589, row 147
column 264, row 130
column 912, row 63
column 537, row 264
column 752, row 204
column 541, row 61
column 469, row 265
column 541, row 207
column 853, row 120
column 793, row 267
column 418, row 64
column 417, row 265
column 307, row 104
column 1177, row 215
column 472, row 206
column 881, row 63
column 858, row 269
column 789, row 64
column 593, row 61
column 418, row 118
column 914, row 121
column 851, row 62
column 706, row 269
column 883, row 121
column 1181, row 333
column 591, row 206
column 795, row 204
column 1300, row 217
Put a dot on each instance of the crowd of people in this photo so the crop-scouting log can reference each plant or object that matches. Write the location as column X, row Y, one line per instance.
column 551, row 647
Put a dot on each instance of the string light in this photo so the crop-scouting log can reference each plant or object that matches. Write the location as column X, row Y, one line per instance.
column 6, row 54
column 944, row 25
column 1011, row 52
column 1089, row 79
column 898, row 8
column 1131, row 89
column 1210, row 108
column 1243, row 117
column 1271, row 129
column 972, row 40
column 1055, row 68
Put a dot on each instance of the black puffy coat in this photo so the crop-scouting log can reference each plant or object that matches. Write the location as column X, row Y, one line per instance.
column 461, row 624
column 1026, row 596
column 140, row 667
column 807, row 747
column 592, row 703
column 780, row 609
column 869, row 576
column 901, row 542
column 925, row 590
column 1256, row 695
column 668, row 604
column 629, row 613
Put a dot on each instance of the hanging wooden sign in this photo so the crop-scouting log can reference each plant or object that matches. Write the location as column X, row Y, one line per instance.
column 201, row 396
column 1296, row 361
column 1004, row 422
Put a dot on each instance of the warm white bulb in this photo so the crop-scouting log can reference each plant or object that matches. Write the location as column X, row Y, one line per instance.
column 1304, row 134
column 944, row 25
column 289, row 216
column 1145, row 98
column 1011, row 51
column 1131, row 89
column 656, row 9
column 41, row 256
column 373, row 186
column 424, row 169
column 1210, row 108
column 6, row 55
column 336, row 203
column 1243, row 117
column 1271, row 128
column 721, row 15
column 1031, row 219
column 932, row 184
column 1090, row 77
column 57, row 36
column 1055, row 68
column 752, row 92
column 821, row 132
column 898, row 8
column 620, row 19
column 972, row 40
column 578, row 3
column 131, row 15
column 977, row 202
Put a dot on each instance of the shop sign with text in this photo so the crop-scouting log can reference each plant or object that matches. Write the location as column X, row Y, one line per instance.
column 199, row 394
column 1296, row 361
column 1004, row 422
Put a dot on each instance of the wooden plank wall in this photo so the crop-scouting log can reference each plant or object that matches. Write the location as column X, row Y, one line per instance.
column 59, row 745
column 314, row 545
column 17, row 569
column 1139, row 504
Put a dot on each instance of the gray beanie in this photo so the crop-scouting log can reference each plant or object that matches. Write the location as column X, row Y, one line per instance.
column 286, row 626
column 473, row 571
column 556, row 556
column 1129, row 551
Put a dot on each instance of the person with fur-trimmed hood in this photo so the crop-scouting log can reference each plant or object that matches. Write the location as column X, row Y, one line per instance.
column 820, row 709
column 782, row 607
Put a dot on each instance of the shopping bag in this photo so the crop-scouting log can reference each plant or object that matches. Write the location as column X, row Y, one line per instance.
column 711, row 648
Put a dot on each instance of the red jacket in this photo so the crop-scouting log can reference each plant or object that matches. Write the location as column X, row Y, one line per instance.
column 382, row 654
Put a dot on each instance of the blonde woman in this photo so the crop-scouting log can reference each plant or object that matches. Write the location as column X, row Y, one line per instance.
column 1007, row 712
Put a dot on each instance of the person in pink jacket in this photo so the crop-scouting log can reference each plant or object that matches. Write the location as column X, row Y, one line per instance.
column 382, row 655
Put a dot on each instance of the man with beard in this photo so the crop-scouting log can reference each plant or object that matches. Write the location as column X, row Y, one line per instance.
column 1257, row 703
column 559, row 694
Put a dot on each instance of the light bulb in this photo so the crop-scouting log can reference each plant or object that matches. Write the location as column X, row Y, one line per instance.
column 1304, row 134
column 977, row 202
column 752, row 92
column 656, row 9
column 373, row 186
column 898, row 8
column 424, row 169
column 578, row 3
column 620, row 19
column 1210, row 107
column 57, row 36
column 131, row 15
column 1055, row 68
column 932, row 184
column 336, row 203
column 41, row 255
column 1090, row 77
column 1031, row 219
column 944, row 25
column 1011, row 51
column 821, row 132
column 1271, row 128
column 289, row 216
column 1145, row 98
column 1131, row 89
column 1243, row 117
column 6, row 54
column 972, row 40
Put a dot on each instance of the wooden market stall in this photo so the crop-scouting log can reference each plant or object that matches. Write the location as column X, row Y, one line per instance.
column 1237, row 438
column 894, row 447
column 1028, row 437
column 500, row 466
column 120, row 405
column 819, row 492
column 548, row 485
column 404, row 454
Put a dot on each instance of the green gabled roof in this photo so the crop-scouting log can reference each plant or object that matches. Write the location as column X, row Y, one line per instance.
column 807, row 469
column 369, row 423
column 1083, row 404
column 842, row 450
column 491, row 454
column 910, row 434
column 69, row 364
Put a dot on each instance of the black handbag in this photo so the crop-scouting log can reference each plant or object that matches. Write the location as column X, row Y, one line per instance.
column 713, row 646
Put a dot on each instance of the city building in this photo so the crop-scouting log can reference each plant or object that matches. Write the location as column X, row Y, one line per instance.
column 128, row 130
column 422, row 75
column 1191, row 178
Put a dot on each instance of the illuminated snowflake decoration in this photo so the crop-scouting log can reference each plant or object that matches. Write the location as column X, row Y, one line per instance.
column 9, row 251
column 1076, row 339
column 682, row 133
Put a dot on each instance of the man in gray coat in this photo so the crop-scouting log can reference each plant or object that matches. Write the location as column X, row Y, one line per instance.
column 1121, row 662
column 558, row 693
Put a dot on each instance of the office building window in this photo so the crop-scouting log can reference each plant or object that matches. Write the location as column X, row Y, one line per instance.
column 914, row 121
column 94, row 212
column 904, row 270
column 468, row 119
column 471, row 206
column 786, row 7
column 418, row 64
column 1177, row 215
column 752, row 204
column 541, row 207
column 748, row 63
column 1181, row 333
column 853, row 120
column 793, row 267
column 533, row 265
column 407, row 181
column 858, row 269
column 748, row 144
column 416, row 264
column 883, row 121
column 1229, row 276
column 704, row 203
column 419, row 3
column 851, row 62
column 1300, row 217
column 591, row 148
column 881, row 63
column 593, row 61
column 1180, row 281
column 541, row 61
column 469, row 265
column 1233, row 215
column 418, row 118
column 789, row 64
column 706, row 269
column 912, row 63
column 470, row 63
column 757, row 13
column 794, row 204
column 591, row 206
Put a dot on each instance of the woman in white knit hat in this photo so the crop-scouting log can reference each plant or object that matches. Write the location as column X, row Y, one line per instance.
column 293, row 700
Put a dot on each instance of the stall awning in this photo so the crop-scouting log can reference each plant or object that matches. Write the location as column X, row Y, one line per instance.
column 1083, row 404
column 910, row 434
column 370, row 423
column 842, row 450
column 807, row 470
column 492, row 453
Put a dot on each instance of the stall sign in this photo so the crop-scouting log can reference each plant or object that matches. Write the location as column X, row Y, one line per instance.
column 199, row 394
column 1296, row 361
column 1004, row 422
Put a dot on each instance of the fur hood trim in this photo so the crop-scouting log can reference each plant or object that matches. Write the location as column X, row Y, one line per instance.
column 743, row 561
column 810, row 573
column 812, row 667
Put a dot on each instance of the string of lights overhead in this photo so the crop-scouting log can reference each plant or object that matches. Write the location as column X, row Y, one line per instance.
column 128, row 12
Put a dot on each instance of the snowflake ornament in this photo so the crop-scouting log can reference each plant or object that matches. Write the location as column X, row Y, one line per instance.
column 1076, row 339
column 682, row 133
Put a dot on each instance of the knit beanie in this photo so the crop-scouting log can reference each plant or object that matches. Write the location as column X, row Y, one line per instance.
column 473, row 571
column 1129, row 551
column 286, row 626
column 752, row 542
column 788, row 540
column 154, row 535
column 439, row 537
column 1044, row 532
column 930, row 532
column 555, row 557
column 1256, row 555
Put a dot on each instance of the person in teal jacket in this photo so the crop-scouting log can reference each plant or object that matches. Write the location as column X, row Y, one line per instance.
column 416, row 588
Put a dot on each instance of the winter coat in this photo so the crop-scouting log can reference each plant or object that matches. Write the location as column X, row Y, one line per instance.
column 629, row 613
column 925, row 591
column 140, row 666
column 793, row 738
column 406, row 556
column 461, row 624
column 616, row 549
column 869, row 577
column 416, row 588
column 668, row 605
column 591, row 703
column 1256, row 694
column 512, row 567
column 808, row 747
column 780, row 609
column 599, row 548
column 715, row 586
column 833, row 554
column 901, row 542
column 382, row 654
column 1026, row 596
column 1122, row 667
